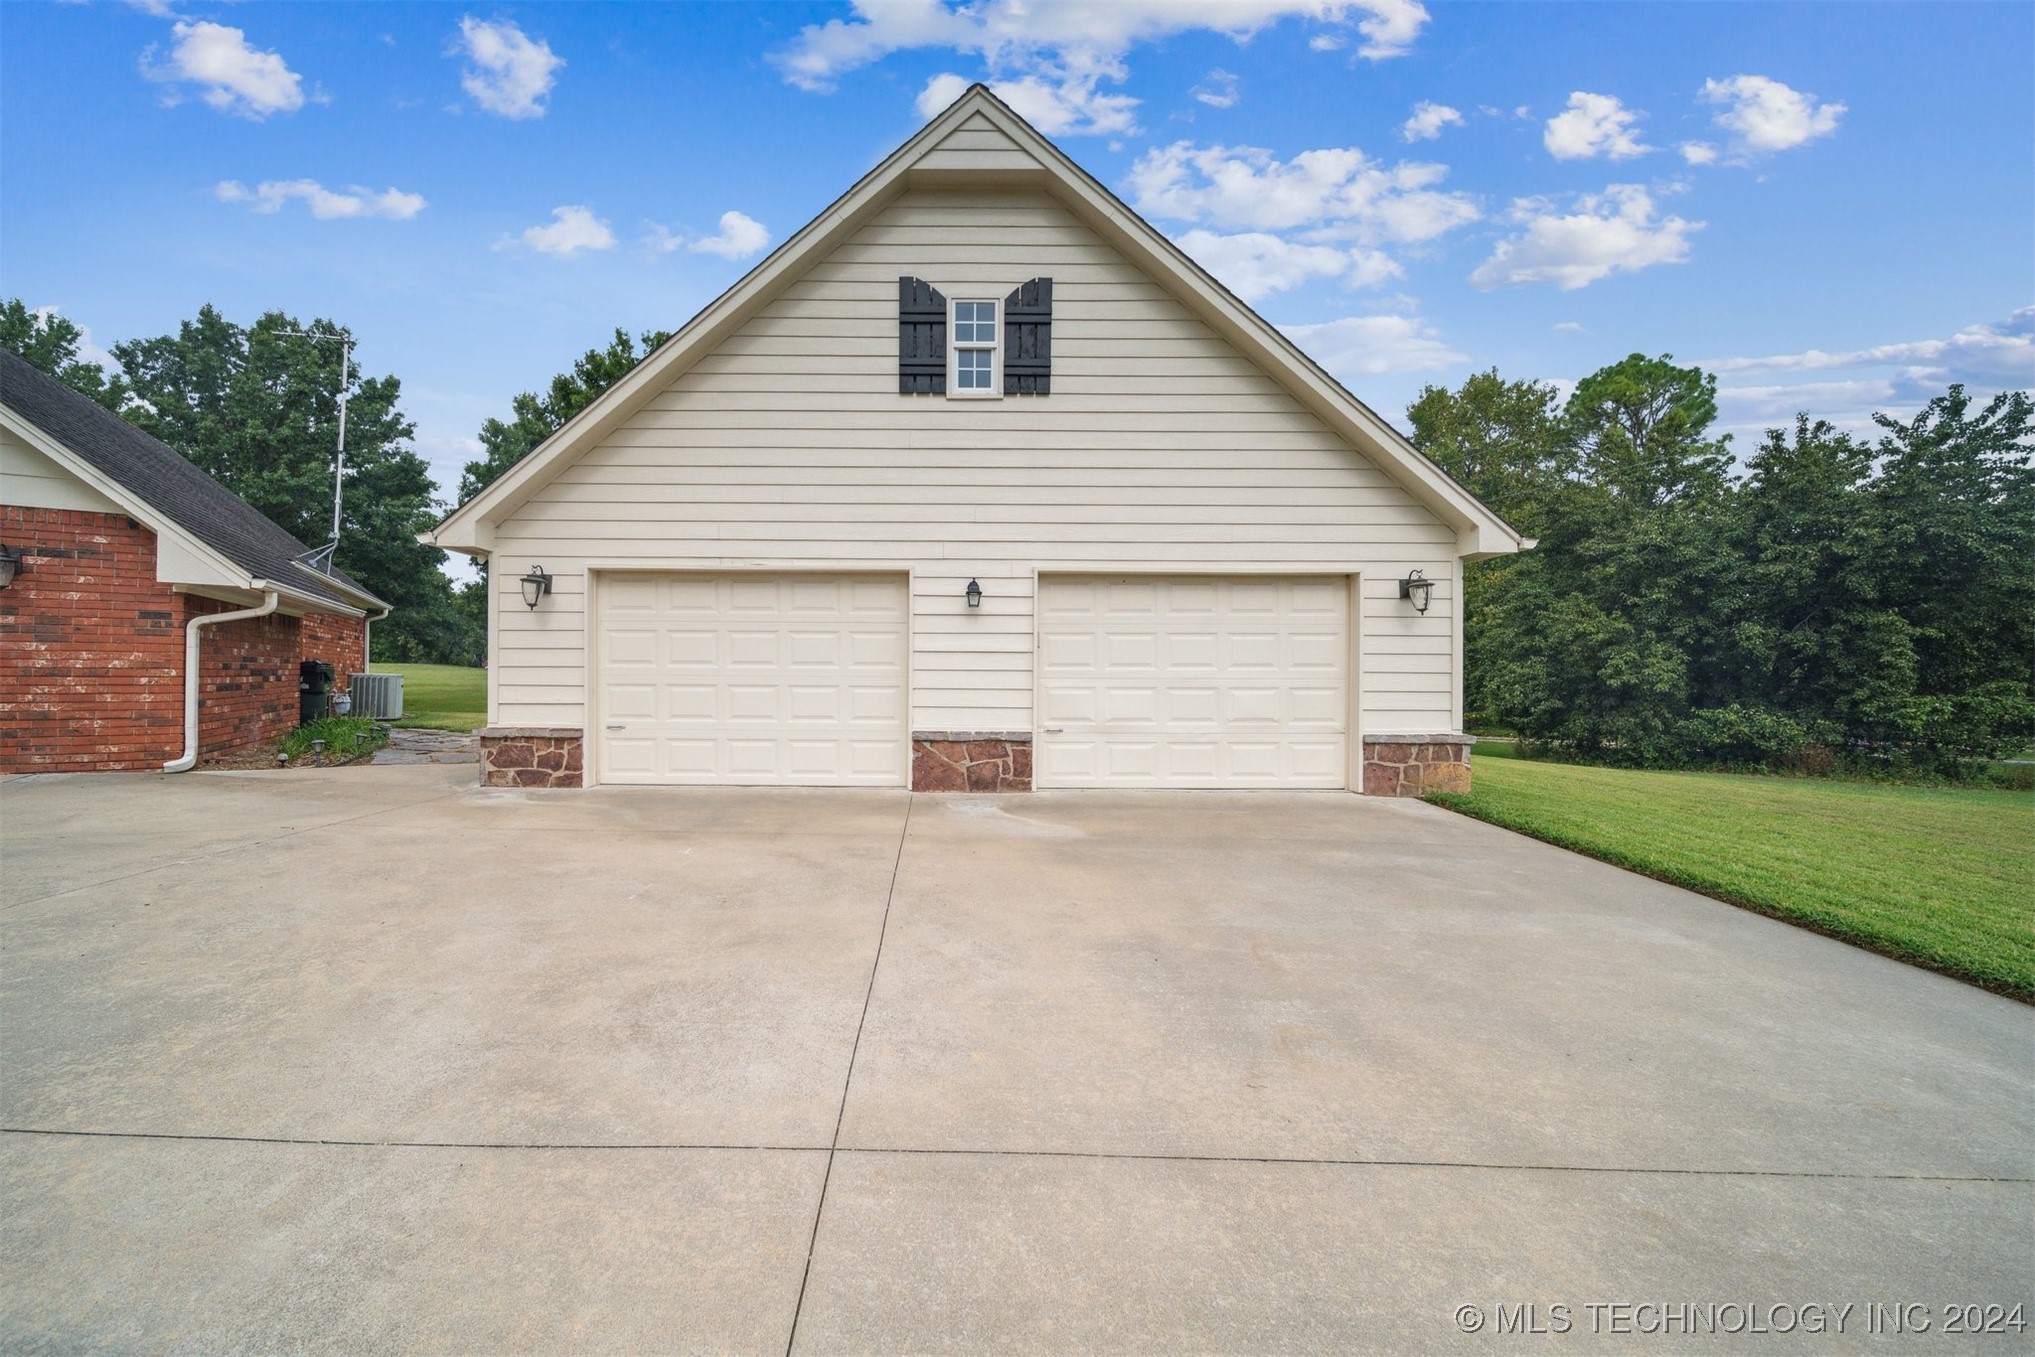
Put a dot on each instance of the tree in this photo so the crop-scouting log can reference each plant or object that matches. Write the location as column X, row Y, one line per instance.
column 1506, row 443
column 51, row 342
column 258, row 409
column 1639, row 426
column 1876, row 602
column 534, row 418
column 1950, row 550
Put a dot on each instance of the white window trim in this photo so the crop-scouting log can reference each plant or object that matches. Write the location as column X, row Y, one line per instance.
column 994, row 349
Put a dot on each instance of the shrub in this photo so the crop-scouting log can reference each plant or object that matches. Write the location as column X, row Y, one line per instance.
column 345, row 737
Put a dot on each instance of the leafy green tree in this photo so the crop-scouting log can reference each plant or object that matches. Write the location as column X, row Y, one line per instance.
column 1506, row 443
column 1950, row 551
column 1640, row 425
column 535, row 417
column 51, row 342
column 1878, row 601
column 257, row 408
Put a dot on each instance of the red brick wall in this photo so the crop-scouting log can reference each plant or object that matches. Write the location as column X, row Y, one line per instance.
column 92, row 654
column 339, row 641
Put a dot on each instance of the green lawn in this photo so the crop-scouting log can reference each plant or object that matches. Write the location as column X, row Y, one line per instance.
column 1941, row 877
column 441, row 696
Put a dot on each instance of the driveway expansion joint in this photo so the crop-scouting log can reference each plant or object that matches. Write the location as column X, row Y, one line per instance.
column 854, row 1049
column 1103, row 1156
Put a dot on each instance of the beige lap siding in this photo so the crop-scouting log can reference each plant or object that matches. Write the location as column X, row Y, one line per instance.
column 1160, row 449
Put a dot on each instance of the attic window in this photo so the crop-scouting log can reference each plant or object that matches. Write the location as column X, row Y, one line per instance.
column 974, row 343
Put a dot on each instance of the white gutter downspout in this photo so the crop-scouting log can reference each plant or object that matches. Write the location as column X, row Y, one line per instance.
column 366, row 635
column 190, row 758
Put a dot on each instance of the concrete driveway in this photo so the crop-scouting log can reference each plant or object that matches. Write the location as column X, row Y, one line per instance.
column 371, row 1059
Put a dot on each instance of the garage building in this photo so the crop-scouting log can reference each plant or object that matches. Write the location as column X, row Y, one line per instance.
column 977, row 483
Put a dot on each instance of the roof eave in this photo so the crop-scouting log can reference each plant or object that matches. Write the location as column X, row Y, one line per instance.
column 1480, row 531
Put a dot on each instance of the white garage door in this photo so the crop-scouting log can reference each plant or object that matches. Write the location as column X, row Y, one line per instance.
column 1193, row 682
column 764, row 680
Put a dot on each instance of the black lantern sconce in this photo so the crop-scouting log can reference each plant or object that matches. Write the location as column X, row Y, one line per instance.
column 1417, row 589
column 974, row 594
column 10, row 564
column 536, row 585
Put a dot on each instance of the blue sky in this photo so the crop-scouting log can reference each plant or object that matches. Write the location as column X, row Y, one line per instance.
column 1833, row 205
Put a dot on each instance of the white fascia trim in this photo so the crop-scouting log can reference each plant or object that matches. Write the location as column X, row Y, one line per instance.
column 462, row 529
column 350, row 590
column 1480, row 531
column 230, row 576
column 135, row 507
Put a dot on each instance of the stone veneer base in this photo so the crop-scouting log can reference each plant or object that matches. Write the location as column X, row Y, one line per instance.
column 1414, row 765
column 971, row 761
column 530, row 756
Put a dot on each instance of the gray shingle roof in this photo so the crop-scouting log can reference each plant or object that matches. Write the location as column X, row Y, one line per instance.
column 161, row 477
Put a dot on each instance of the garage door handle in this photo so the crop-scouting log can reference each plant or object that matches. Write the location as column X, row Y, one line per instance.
column 1054, row 730
column 617, row 727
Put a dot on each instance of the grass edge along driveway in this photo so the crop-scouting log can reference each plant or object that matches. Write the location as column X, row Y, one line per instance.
column 1939, row 877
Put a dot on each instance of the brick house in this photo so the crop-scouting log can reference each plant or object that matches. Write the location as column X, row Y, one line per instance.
column 131, row 559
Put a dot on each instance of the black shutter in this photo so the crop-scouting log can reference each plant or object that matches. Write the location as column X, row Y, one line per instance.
column 1028, row 339
column 921, row 339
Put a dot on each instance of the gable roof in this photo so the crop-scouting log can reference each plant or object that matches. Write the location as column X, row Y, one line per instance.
column 979, row 140
column 167, row 493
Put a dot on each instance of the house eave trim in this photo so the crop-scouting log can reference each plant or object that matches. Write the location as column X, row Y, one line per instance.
column 1480, row 532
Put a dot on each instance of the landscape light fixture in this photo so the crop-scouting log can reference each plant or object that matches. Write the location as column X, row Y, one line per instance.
column 974, row 594
column 536, row 585
column 10, row 564
column 1417, row 589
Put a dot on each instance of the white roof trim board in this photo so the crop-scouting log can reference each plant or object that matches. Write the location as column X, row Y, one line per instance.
column 1479, row 531
column 193, row 564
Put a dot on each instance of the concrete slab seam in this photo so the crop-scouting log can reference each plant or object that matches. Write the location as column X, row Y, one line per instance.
column 854, row 1049
column 1104, row 1156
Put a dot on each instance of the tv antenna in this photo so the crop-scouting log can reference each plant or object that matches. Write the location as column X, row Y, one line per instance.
column 321, row 558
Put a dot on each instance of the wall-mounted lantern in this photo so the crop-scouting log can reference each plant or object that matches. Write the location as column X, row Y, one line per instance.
column 10, row 564
column 1417, row 589
column 974, row 593
column 536, row 585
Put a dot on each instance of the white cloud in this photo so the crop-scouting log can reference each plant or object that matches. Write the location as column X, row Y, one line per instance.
column 1340, row 191
column 1615, row 231
column 1763, row 115
column 1057, row 51
column 662, row 240
column 740, row 236
column 87, row 351
column 1219, row 90
column 572, row 230
column 511, row 72
column 1428, row 120
column 1324, row 42
column 326, row 204
column 1368, row 346
column 1569, row 327
column 1998, row 353
column 1594, row 125
column 1256, row 264
column 1056, row 107
column 1698, row 152
column 232, row 76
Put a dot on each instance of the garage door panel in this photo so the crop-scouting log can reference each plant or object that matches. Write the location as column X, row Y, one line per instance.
column 633, row 701
column 753, row 679
column 1202, row 681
